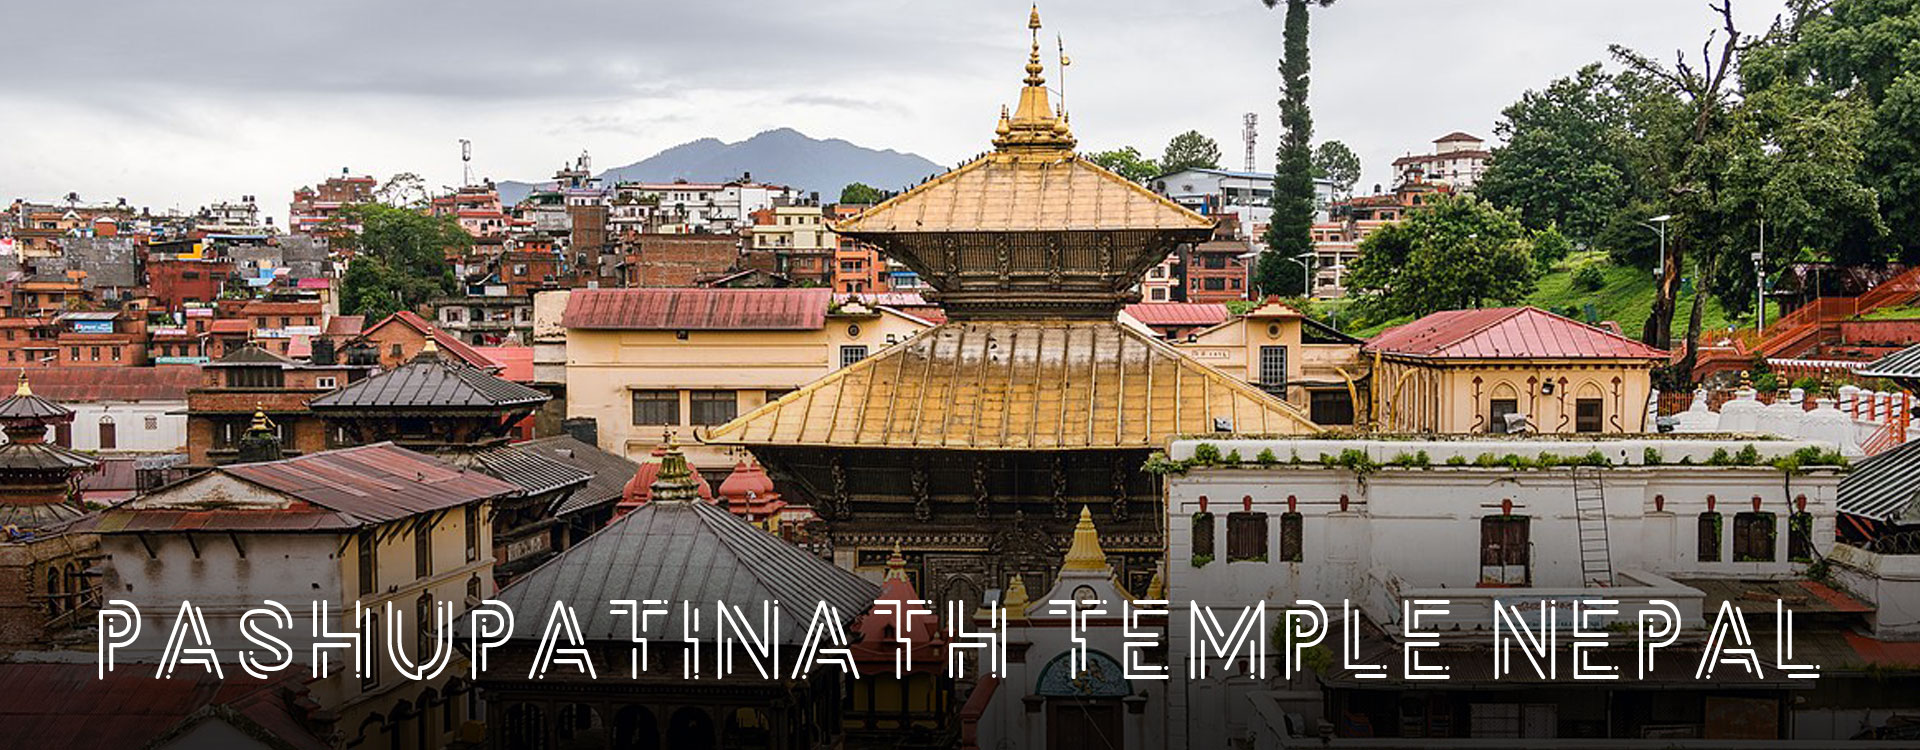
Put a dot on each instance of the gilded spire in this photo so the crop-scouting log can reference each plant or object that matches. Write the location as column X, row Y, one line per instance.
column 1015, row 600
column 24, row 389
column 1085, row 554
column 896, row 565
column 260, row 421
column 1035, row 126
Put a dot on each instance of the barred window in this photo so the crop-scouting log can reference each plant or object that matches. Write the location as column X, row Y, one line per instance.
column 1800, row 537
column 1273, row 367
column 851, row 354
column 1202, row 539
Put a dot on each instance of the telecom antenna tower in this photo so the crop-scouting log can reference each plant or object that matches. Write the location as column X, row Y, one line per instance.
column 466, row 162
column 1248, row 132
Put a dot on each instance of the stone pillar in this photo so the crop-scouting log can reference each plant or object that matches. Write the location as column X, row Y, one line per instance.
column 1850, row 400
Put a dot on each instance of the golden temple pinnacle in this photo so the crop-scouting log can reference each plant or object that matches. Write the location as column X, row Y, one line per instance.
column 1035, row 126
column 23, row 389
column 1085, row 554
column 896, row 565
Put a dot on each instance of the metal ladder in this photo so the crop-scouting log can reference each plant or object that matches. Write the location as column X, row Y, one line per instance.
column 1590, row 511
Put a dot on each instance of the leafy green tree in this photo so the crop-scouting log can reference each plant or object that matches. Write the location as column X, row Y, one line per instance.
column 1457, row 252
column 1290, row 231
column 1127, row 162
column 1563, row 162
column 399, row 258
column 861, row 193
column 1549, row 246
column 1190, row 150
column 1334, row 161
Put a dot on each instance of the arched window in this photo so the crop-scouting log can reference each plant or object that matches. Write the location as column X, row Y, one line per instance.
column 54, row 602
column 109, row 439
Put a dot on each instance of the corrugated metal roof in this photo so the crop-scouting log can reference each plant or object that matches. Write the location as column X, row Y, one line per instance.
column 70, row 706
column 1179, row 313
column 429, row 382
column 1885, row 487
column 610, row 472
column 89, row 384
column 1020, row 385
column 1901, row 364
column 684, row 552
column 1004, row 192
column 345, row 488
column 698, row 309
column 531, row 470
column 1507, row 332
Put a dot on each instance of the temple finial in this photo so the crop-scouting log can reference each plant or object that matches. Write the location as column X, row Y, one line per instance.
column 1033, row 58
column 23, row 389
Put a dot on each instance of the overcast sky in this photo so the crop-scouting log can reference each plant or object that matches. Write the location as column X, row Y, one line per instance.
column 175, row 105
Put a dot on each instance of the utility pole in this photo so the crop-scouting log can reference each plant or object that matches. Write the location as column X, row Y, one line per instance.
column 1760, row 279
column 1248, row 132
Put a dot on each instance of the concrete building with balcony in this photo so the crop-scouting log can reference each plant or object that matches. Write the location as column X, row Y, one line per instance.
column 1292, row 357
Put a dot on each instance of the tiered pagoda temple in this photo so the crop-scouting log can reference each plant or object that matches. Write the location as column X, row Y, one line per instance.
column 972, row 444
column 45, row 586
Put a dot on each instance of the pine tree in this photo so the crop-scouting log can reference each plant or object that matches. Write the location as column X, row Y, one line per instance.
column 1290, row 232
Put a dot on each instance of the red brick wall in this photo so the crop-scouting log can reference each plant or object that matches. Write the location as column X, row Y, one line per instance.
column 677, row 260
column 1901, row 333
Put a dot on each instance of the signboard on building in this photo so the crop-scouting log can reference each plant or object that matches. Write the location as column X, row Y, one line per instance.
column 93, row 326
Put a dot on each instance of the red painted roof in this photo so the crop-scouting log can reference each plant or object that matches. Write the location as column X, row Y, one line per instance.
column 76, row 384
column 515, row 362
column 698, row 309
column 1179, row 313
column 230, row 325
column 67, row 705
column 1507, row 332
column 345, row 325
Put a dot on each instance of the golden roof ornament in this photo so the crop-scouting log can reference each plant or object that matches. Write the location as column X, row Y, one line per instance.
column 896, row 565
column 1015, row 601
column 23, row 389
column 1035, row 126
column 1157, row 588
column 1085, row 554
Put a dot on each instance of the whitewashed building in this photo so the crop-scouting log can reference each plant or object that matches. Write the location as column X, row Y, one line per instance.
column 1249, row 195
column 1475, row 523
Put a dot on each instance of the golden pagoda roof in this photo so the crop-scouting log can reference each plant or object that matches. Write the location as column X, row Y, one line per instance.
column 1059, row 384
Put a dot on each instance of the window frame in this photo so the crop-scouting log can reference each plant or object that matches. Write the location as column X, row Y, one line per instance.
column 1506, row 550
column 1292, row 537
column 701, row 403
column 1580, row 422
column 1272, row 383
column 1750, row 530
column 656, row 398
column 1709, row 546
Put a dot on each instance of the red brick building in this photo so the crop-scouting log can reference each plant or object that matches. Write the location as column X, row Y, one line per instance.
column 676, row 260
column 174, row 283
column 312, row 208
column 253, row 379
column 29, row 342
column 101, row 339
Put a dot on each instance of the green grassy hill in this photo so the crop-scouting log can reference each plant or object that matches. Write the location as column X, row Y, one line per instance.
column 1625, row 296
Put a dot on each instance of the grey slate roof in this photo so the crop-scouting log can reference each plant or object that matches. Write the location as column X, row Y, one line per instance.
column 430, row 382
column 252, row 355
column 684, row 551
column 610, row 472
column 1885, row 487
column 1901, row 364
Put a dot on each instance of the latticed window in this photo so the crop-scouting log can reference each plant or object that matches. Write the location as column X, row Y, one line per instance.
column 1710, row 537
column 473, row 532
column 1273, row 367
column 852, row 354
column 1292, row 538
column 369, row 558
column 423, row 551
column 1753, row 536
column 1246, row 537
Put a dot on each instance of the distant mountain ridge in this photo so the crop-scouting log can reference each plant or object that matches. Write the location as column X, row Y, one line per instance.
column 782, row 156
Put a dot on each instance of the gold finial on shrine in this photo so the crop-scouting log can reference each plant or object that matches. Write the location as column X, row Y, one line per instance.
column 1085, row 554
column 23, row 389
column 1034, row 126
column 896, row 565
column 1014, row 602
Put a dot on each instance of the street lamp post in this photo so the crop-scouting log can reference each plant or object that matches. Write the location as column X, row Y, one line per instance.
column 1306, row 276
column 1760, row 280
column 1661, row 220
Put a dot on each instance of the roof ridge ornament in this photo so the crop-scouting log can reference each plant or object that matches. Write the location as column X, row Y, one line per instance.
column 24, row 389
column 1035, row 125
